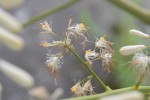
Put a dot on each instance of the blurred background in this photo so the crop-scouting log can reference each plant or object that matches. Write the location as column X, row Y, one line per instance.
column 102, row 17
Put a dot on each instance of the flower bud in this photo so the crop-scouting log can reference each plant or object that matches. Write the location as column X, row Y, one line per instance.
column 9, row 22
column 128, row 50
column 13, row 41
column 16, row 74
column 139, row 33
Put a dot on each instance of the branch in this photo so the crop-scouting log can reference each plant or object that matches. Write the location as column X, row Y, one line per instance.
column 98, row 96
column 50, row 12
column 134, row 9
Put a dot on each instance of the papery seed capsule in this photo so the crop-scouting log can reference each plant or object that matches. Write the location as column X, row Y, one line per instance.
column 139, row 33
column 128, row 50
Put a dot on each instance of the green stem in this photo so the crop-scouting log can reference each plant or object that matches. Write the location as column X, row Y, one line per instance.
column 90, row 69
column 49, row 12
column 140, row 80
column 98, row 96
column 134, row 9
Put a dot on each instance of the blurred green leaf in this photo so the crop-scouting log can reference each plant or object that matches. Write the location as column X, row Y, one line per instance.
column 124, row 74
column 138, row 1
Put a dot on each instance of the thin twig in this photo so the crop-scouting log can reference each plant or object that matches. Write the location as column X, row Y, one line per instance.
column 50, row 12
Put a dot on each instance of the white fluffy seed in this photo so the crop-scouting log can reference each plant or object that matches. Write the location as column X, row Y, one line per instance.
column 128, row 50
column 139, row 33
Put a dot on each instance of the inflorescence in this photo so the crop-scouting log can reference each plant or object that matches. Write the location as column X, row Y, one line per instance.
column 102, row 51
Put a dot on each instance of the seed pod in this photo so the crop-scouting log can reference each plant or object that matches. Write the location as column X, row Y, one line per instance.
column 128, row 50
column 18, row 75
column 11, row 40
column 9, row 22
column 139, row 33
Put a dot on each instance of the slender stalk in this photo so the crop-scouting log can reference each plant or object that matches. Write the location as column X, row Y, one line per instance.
column 139, row 81
column 50, row 12
column 134, row 9
column 90, row 69
column 98, row 96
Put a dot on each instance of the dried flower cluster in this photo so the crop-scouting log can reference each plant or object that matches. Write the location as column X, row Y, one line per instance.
column 141, row 60
column 82, row 89
column 103, row 52
column 54, row 61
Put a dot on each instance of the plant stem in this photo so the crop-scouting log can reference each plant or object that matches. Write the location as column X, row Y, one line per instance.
column 98, row 96
column 140, row 80
column 49, row 12
column 131, row 7
column 90, row 69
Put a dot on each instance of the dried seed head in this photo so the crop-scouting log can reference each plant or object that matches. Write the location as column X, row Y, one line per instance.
column 54, row 63
column 107, row 61
column 128, row 50
column 46, row 27
column 139, row 33
column 90, row 55
column 102, row 43
column 77, row 90
column 79, row 29
column 87, row 87
column 141, row 62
